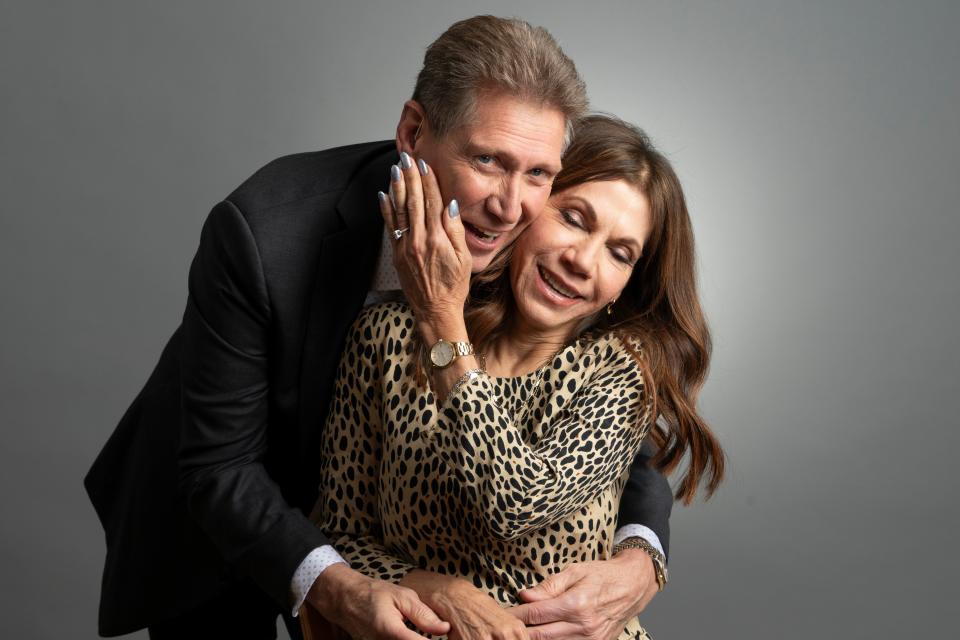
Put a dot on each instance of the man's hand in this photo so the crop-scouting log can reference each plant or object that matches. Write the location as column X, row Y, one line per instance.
column 589, row 600
column 473, row 615
column 369, row 609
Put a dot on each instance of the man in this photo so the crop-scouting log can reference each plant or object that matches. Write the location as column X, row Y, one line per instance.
column 202, row 488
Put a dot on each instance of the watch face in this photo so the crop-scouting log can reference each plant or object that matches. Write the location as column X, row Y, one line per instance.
column 441, row 354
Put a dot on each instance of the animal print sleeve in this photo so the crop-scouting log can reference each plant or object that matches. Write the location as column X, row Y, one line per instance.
column 596, row 417
column 346, row 508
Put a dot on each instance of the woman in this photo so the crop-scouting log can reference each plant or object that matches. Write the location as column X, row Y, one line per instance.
column 504, row 468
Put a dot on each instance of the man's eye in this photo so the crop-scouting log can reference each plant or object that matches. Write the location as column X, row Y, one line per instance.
column 538, row 172
column 484, row 159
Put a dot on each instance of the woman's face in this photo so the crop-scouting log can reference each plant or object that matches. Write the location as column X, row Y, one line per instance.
column 577, row 256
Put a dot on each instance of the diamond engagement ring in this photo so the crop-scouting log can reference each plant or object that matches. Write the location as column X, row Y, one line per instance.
column 398, row 233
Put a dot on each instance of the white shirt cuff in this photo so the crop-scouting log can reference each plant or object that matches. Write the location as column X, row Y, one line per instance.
column 638, row 531
column 308, row 572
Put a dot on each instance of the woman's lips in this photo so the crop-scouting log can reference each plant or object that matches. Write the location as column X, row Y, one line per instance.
column 554, row 290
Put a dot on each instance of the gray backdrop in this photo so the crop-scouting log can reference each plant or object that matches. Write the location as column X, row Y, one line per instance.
column 818, row 145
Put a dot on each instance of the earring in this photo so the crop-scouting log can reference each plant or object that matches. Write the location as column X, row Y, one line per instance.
column 610, row 307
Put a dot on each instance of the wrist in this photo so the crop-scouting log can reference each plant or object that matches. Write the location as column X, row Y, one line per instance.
column 633, row 557
column 447, row 326
column 435, row 589
column 452, row 595
column 328, row 590
column 642, row 556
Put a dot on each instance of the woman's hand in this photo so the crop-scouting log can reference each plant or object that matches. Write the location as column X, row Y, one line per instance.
column 431, row 256
column 472, row 614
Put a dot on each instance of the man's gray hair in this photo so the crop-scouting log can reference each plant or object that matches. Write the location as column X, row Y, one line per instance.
column 486, row 53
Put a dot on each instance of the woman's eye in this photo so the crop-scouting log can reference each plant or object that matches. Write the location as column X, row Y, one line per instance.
column 622, row 255
column 572, row 217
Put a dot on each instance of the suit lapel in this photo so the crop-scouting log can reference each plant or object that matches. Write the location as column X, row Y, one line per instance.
column 345, row 269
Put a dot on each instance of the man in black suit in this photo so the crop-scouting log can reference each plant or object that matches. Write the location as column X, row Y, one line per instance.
column 203, row 486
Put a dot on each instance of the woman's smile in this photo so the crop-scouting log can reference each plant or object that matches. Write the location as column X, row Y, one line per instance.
column 578, row 255
column 555, row 289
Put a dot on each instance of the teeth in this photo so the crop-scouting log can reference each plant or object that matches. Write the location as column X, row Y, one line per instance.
column 556, row 286
column 483, row 235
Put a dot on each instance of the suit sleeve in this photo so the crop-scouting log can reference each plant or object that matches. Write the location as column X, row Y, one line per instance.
column 347, row 508
column 647, row 498
column 589, row 441
column 224, row 429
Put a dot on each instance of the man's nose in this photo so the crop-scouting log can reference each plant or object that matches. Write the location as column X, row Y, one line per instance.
column 506, row 203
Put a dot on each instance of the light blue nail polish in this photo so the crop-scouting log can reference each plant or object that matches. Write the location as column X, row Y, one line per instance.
column 454, row 209
column 382, row 196
column 424, row 170
column 395, row 173
column 405, row 160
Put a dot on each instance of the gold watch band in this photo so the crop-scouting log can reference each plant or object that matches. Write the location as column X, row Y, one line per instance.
column 463, row 348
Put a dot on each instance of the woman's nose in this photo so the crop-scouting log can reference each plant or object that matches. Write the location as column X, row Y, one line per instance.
column 581, row 257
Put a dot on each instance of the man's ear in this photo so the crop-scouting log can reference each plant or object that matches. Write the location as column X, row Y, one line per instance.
column 412, row 119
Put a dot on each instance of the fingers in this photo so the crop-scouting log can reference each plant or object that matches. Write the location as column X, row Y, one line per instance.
column 528, row 614
column 423, row 616
column 550, row 601
column 414, row 201
column 556, row 619
column 396, row 630
column 394, row 605
column 398, row 197
column 546, row 612
column 535, row 613
column 553, row 586
column 517, row 631
column 555, row 631
column 386, row 210
column 453, row 226
column 432, row 201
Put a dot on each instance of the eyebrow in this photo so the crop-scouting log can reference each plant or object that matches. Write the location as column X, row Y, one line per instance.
column 592, row 215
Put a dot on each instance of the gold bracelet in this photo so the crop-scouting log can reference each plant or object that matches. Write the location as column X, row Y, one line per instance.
column 469, row 376
column 659, row 562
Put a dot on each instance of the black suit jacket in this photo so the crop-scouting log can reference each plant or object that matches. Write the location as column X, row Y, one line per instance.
column 209, row 473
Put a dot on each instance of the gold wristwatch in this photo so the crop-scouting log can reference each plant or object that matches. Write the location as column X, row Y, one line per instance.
column 659, row 562
column 443, row 353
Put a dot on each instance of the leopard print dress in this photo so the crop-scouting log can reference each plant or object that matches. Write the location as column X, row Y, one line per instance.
column 512, row 479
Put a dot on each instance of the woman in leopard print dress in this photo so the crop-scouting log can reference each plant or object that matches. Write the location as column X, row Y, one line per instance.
column 590, row 327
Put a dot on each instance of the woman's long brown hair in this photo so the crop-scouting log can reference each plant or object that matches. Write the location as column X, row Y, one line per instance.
column 658, row 315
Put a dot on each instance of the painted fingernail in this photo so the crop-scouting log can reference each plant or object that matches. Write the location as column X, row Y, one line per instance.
column 424, row 170
column 405, row 160
column 454, row 209
column 395, row 173
column 382, row 196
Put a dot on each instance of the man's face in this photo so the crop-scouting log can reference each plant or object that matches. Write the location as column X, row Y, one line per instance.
column 499, row 167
